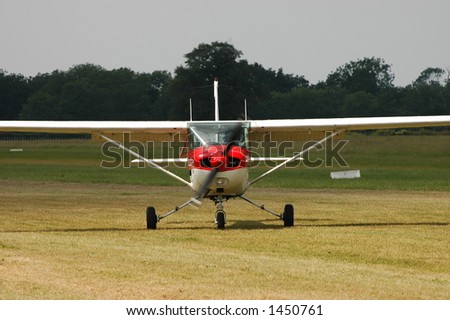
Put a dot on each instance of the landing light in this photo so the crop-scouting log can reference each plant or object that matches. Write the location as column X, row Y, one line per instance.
column 221, row 181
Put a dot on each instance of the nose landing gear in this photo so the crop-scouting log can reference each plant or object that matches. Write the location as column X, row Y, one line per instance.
column 220, row 214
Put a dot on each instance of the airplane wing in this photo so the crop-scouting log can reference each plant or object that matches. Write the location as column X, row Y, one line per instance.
column 313, row 129
column 285, row 125
column 157, row 127
column 342, row 124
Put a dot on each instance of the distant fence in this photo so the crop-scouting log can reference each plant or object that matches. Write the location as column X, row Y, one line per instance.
column 42, row 136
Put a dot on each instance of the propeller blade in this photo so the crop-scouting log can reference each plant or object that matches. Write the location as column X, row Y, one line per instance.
column 234, row 136
column 209, row 179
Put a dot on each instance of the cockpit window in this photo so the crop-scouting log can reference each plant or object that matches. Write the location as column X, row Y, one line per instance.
column 210, row 133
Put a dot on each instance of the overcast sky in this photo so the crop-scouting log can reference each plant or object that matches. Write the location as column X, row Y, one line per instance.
column 310, row 38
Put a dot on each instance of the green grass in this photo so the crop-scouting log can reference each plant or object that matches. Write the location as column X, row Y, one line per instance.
column 388, row 162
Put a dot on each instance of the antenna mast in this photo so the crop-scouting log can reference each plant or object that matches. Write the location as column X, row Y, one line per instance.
column 245, row 109
column 216, row 98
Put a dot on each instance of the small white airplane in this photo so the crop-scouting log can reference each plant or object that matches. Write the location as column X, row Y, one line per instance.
column 218, row 154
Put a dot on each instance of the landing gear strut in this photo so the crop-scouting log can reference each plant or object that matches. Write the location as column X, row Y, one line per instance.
column 153, row 218
column 287, row 216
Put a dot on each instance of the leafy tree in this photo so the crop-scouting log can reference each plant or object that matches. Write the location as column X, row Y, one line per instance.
column 369, row 75
column 390, row 102
column 194, row 81
column 427, row 100
column 43, row 103
column 41, row 106
column 211, row 60
column 90, row 92
column 358, row 104
column 14, row 91
column 238, row 80
column 304, row 102
column 430, row 76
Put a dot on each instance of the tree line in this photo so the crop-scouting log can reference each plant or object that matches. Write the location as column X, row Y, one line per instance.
column 90, row 92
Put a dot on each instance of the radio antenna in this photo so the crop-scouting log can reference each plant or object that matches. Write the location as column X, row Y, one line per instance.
column 216, row 98
column 245, row 109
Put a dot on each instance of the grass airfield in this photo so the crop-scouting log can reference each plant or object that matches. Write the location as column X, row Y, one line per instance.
column 70, row 230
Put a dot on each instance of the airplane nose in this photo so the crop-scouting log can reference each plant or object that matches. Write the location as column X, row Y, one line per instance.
column 212, row 157
column 217, row 161
column 215, row 156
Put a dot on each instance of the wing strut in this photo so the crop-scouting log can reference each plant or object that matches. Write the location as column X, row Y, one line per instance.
column 295, row 157
column 261, row 206
column 148, row 161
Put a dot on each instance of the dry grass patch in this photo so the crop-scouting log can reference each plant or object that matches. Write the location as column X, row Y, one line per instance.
column 88, row 241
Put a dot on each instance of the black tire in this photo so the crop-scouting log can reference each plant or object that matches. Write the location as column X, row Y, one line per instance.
column 288, row 215
column 152, row 219
column 220, row 219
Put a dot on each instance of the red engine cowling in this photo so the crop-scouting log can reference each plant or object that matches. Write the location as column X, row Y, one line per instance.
column 213, row 156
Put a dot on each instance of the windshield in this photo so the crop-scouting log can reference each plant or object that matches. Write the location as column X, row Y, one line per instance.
column 209, row 133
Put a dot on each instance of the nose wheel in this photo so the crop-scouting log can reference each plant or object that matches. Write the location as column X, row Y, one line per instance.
column 220, row 214
column 220, row 219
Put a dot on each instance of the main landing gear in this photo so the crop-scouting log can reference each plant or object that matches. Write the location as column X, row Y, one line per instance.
column 287, row 216
column 152, row 218
column 220, row 218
